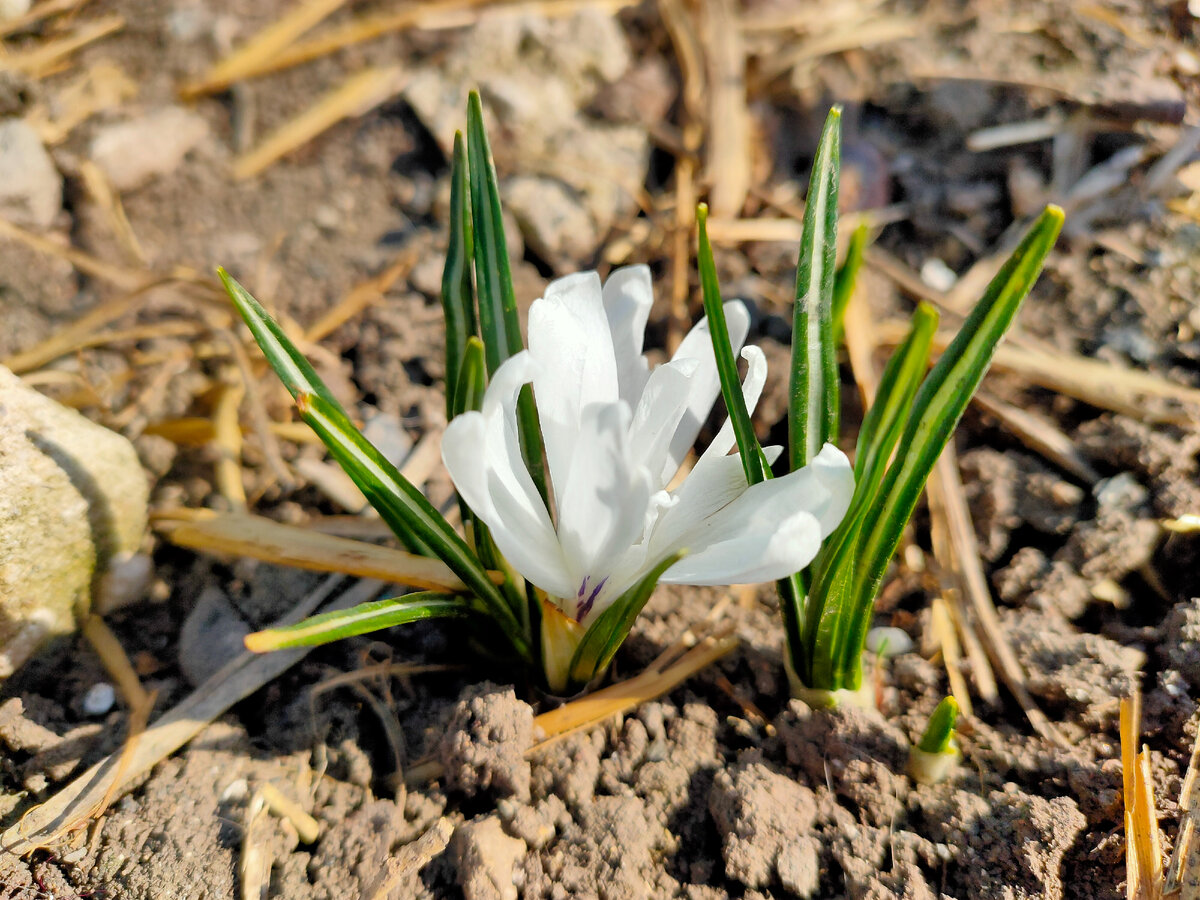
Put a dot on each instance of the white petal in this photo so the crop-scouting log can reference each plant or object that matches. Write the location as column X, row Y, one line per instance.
column 752, row 388
column 656, row 418
column 482, row 453
column 570, row 340
column 603, row 503
column 772, row 529
column 706, row 384
column 628, row 296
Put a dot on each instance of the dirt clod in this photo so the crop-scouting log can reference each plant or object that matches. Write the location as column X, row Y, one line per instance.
column 483, row 749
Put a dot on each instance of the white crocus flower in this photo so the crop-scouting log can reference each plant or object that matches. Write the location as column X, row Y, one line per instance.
column 615, row 434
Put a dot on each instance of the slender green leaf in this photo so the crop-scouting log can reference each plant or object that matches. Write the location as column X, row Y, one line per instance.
column 938, row 406
column 458, row 303
column 499, row 324
column 888, row 414
column 605, row 636
column 813, row 390
column 847, row 277
column 362, row 619
column 940, row 730
column 471, row 383
column 731, row 386
column 405, row 509
column 792, row 600
column 289, row 364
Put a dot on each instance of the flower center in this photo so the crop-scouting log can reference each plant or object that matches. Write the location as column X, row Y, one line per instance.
column 584, row 606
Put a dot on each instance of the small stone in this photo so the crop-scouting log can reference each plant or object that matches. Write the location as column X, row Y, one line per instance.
column 31, row 191
column 888, row 642
column 14, row 9
column 135, row 152
column 99, row 699
column 211, row 636
column 938, row 275
column 387, row 433
column 486, row 858
column 553, row 219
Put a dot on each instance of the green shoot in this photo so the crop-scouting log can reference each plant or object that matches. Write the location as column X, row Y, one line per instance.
column 933, row 758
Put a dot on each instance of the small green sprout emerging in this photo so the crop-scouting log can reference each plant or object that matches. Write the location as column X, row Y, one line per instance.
column 934, row 757
column 827, row 607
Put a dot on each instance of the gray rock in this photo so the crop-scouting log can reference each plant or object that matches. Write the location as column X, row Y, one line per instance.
column 31, row 190
column 211, row 636
column 135, row 152
column 73, row 499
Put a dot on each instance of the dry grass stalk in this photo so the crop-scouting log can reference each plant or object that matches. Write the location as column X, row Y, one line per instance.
column 728, row 165
column 332, row 481
column 122, row 277
column 308, row 828
column 255, row 537
column 116, row 661
column 1140, row 395
column 83, row 797
column 689, row 56
column 1183, row 872
column 943, row 630
column 357, row 95
column 102, row 86
column 851, row 35
column 945, row 492
column 227, row 441
column 260, row 422
column 262, row 46
column 101, row 191
column 1143, row 850
column 1040, row 436
column 254, row 860
column 43, row 10
column 46, row 58
column 741, row 231
column 365, row 294
column 1011, row 134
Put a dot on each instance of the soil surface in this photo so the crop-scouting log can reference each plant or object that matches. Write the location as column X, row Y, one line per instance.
column 725, row 787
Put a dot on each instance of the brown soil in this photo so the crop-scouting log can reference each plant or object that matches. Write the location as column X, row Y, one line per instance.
column 695, row 795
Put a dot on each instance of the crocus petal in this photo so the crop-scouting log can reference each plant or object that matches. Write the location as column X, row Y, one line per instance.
column 706, row 383
column 570, row 341
column 773, row 529
column 482, row 453
column 603, row 502
column 628, row 296
column 752, row 388
column 656, row 418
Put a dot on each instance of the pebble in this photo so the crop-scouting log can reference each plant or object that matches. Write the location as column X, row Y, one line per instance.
column 889, row 642
column 31, row 191
column 14, row 9
column 210, row 637
column 99, row 699
column 135, row 152
column 938, row 275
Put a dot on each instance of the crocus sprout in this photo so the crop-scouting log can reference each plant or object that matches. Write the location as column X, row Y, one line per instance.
column 562, row 455
column 934, row 757
column 616, row 433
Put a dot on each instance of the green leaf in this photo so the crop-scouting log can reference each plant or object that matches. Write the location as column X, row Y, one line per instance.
column 458, row 302
column 888, row 414
column 471, row 383
column 499, row 323
column 731, row 386
column 362, row 619
column 405, row 509
column 940, row 730
column 939, row 404
column 847, row 277
column 831, row 597
column 605, row 636
column 289, row 364
column 813, row 390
